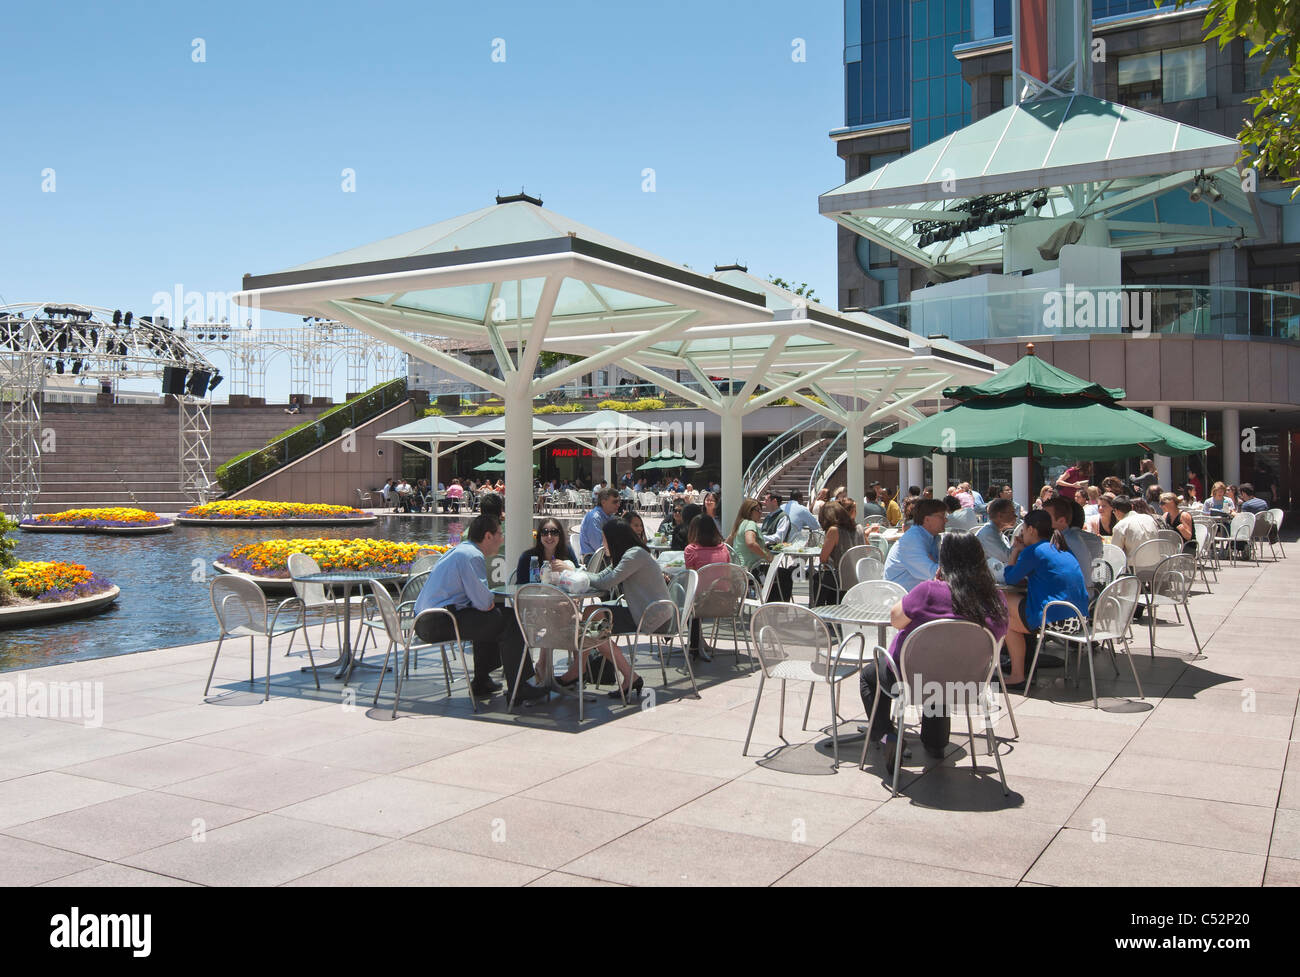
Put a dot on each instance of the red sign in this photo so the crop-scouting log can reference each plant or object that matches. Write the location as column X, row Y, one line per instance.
column 570, row 452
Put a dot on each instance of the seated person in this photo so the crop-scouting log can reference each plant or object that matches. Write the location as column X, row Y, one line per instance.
column 1051, row 573
column 961, row 519
column 1178, row 521
column 1067, row 519
column 963, row 589
column 632, row 568
column 1219, row 501
column 682, row 529
column 1002, row 516
column 704, row 546
column 451, row 500
column 458, row 582
column 746, row 537
column 1132, row 528
column 914, row 559
column 842, row 534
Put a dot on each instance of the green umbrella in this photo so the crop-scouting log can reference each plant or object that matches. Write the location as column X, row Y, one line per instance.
column 1033, row 408
column 497, row 463
column 667, row 459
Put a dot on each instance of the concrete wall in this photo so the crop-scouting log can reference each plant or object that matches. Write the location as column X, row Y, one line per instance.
column 1194, row 371
column 332, row 475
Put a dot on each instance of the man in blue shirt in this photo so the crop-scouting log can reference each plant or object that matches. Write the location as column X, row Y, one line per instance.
column 1250, row 502
column 798, row 514
column 1050, row 575
column 458, row 582
column 915, row 558
column 1002, row 516
column 590, row 537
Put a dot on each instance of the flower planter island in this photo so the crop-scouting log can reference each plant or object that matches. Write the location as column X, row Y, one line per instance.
column 267, row 563
column 114, row 521
column 253, row 512
column 44, row 592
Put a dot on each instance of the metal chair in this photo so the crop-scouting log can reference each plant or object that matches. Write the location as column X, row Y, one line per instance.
column 1172, row 536
column 1065, row 628
column 363, row 498
column 879, row 595
column 1111, row 617
column 793, row 644
column 869, row 568
column 1276, row 516
column 1205, row 538
column 454, row 640
column 720, row 593
column 242, row 612
column 1150, row 554
column 681, row 599
column 1241, row 532
column 1261, row 533
column 847, row 570
column 313, row 597
column 423, row 563
column 1171, row 585
column 874, row 521
column 957, row 657
column 389, row 620
column 549, row 618
column 1113, row 555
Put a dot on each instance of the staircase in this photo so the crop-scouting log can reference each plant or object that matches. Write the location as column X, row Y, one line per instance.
column 794, row 475
column 129, row 454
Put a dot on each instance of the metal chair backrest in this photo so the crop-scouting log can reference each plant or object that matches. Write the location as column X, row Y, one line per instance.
column 1263, row 525
column 424, row 562
column 1113, row 555
column 1204, row 539
column 684, row 587
column 789, row 632
column 238, row 602
column 879, row 595
column 720, row 591
column 596, row 560
column 1113, row 612
column 769, row 579
column 548, row 617
column 1242, row 525
column 387, row 609
column 874, row 521
column 946, row 655
column 1153, row 551
column 1101, row 574
column 847, row 570
column 868, row 568
column 880, row 545
column 412, row 587
column 1174, row 577
column 1276, row 516
column 311, row 594
column 1172, row 536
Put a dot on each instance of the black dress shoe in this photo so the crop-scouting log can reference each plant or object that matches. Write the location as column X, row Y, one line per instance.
column 529, row 693
column 486, row 689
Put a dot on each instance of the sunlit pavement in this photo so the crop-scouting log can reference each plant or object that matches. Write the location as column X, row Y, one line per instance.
column 1198, row 785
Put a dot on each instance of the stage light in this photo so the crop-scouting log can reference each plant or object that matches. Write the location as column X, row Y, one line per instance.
column 1215, row 194
column 117, row 317
column 126, row 319
column 58, row 366
column 1195, row 195
column 216, row 382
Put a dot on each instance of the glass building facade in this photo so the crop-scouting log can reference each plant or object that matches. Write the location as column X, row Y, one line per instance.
column 876, row 69
column 940, row 99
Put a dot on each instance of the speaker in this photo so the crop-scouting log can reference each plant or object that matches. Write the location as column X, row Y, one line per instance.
column 198, row 385
column 173, row 380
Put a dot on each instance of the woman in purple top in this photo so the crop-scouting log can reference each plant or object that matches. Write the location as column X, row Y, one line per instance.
column 964, row 590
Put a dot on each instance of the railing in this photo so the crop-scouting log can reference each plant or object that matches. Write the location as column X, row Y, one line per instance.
column 835, row 452
column 1200, row 310
column 244, row 470
column 781, row 450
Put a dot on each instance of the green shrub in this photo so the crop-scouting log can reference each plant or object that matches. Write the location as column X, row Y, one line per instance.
column 612, row 405
column 433, row 412
column 648, row 403
column 7, row 558
column 487, row 410
column 557, row 409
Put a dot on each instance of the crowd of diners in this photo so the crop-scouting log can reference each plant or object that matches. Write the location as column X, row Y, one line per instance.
column 957, row 558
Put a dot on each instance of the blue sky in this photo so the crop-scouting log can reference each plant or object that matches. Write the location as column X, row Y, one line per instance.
column 173, row 172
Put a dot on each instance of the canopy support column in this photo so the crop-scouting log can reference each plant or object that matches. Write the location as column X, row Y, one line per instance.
column 915, row 475
column 609, row 468
column 939, row 465
column 854, row 426
column 1164, row 465
column 1020, row 481
column 519, row 469
column 732, row 432
column 1230, row 447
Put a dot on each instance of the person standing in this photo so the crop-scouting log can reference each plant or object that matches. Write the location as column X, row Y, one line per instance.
column 1145, row 478
column 1074, row 480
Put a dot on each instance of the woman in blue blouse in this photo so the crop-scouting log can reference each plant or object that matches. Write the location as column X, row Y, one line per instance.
column 1051, row 573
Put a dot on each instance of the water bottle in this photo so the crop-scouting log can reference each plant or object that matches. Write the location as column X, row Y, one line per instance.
column 534, row 570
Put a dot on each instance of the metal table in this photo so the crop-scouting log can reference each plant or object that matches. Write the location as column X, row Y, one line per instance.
column 346, row 579
column 874, row 611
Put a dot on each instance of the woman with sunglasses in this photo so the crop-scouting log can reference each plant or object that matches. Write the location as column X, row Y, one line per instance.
column 551, row 544
column 711, row 509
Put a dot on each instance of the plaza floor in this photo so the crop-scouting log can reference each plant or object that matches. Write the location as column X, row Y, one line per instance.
column 1197, row 785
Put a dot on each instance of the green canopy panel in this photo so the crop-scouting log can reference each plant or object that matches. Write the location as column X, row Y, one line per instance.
column 1068, row 427
column 1031, row 376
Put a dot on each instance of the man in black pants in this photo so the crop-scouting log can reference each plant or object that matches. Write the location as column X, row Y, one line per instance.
column 458, row 582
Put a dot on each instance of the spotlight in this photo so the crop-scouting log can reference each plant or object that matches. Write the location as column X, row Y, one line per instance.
column 1215, row 194
column 1195, row 194
column 126, row 319
column 58, row 367
column 76, row 366
column 1040, row 201
column 117, row 317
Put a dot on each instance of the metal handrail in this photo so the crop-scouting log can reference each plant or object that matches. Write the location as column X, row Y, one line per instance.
column 821, row 472
column 777, row 452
